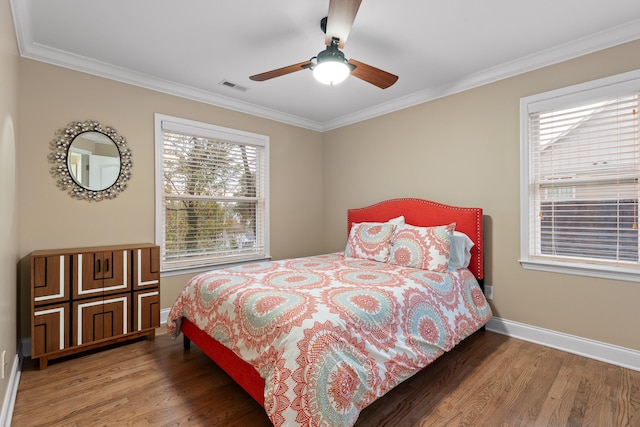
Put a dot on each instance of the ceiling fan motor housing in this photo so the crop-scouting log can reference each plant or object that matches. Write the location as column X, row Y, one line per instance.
column 332, row 53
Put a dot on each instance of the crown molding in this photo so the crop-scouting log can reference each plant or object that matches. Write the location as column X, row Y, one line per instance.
column 74, row 62
column 592, row 43
column 31, row 50
column 598, row 41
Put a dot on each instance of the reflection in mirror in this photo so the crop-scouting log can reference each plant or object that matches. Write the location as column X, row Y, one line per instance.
column 91, row 161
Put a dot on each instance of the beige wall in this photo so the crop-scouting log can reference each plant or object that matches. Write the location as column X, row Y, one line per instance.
column 8, row 192
column 464, row 150
column 429, row 151
column 51, row 97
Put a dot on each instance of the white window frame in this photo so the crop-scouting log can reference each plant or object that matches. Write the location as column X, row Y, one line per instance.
column 205, row 130
column 598, row 89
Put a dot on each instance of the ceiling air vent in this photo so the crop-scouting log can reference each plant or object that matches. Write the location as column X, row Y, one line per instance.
column 232, row 85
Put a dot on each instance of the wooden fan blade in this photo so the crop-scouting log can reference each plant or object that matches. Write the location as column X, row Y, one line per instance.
column 340, row 19
column 372, row 75
column 281, row 71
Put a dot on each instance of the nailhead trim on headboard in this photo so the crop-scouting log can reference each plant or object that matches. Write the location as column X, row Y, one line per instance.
column 425, row 213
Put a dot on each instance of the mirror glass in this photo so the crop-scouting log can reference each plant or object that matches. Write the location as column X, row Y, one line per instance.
column 93, row 161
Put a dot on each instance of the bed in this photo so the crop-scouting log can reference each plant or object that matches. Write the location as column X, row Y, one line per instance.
column 315, row 340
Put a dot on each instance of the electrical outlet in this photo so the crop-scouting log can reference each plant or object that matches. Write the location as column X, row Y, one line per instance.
column 488, row 291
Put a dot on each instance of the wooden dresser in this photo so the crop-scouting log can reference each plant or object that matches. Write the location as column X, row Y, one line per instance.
column 84, row 298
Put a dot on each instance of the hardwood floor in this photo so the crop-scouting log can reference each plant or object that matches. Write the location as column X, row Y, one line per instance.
column 488, row 380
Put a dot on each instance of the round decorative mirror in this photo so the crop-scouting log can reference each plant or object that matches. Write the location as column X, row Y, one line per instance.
column 92, row 162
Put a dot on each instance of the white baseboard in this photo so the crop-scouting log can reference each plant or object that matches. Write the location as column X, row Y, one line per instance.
column 14, row 380
column 10, row 396
column 609, row 353
column 164, row 315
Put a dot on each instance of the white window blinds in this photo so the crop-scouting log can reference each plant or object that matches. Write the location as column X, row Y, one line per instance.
column 213, row 201
column 584, row 165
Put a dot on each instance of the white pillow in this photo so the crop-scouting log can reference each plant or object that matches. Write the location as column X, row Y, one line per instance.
column 460, row 255
column 398, row 222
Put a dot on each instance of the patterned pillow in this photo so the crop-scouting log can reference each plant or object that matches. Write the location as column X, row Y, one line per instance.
column 370, row 240
column 426, row 248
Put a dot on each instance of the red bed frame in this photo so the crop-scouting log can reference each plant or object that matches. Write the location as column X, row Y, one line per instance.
column 417, row 212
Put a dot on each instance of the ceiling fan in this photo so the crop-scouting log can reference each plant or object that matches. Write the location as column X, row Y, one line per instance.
column 330, row 66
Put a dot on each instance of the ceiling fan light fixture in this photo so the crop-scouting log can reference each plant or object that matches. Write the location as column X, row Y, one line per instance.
column 330, row 66
column 331, row 72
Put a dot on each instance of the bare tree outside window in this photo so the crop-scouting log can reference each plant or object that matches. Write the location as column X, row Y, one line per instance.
column 213, row 200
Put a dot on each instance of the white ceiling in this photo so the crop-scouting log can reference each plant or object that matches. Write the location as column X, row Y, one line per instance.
column 189, row 47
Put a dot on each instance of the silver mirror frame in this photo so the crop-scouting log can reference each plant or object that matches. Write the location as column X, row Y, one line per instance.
column 60, row 151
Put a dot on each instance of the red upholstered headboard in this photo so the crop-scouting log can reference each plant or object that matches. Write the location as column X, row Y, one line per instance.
column 425, row 213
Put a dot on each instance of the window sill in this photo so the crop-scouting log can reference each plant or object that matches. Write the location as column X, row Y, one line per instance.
column 589, row 270
column 194, row 270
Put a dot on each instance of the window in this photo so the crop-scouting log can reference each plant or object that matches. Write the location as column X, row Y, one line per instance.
column 212, row 204
column 580, row 164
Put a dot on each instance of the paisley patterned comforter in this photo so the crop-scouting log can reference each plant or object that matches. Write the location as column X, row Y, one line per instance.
column 331, row 334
